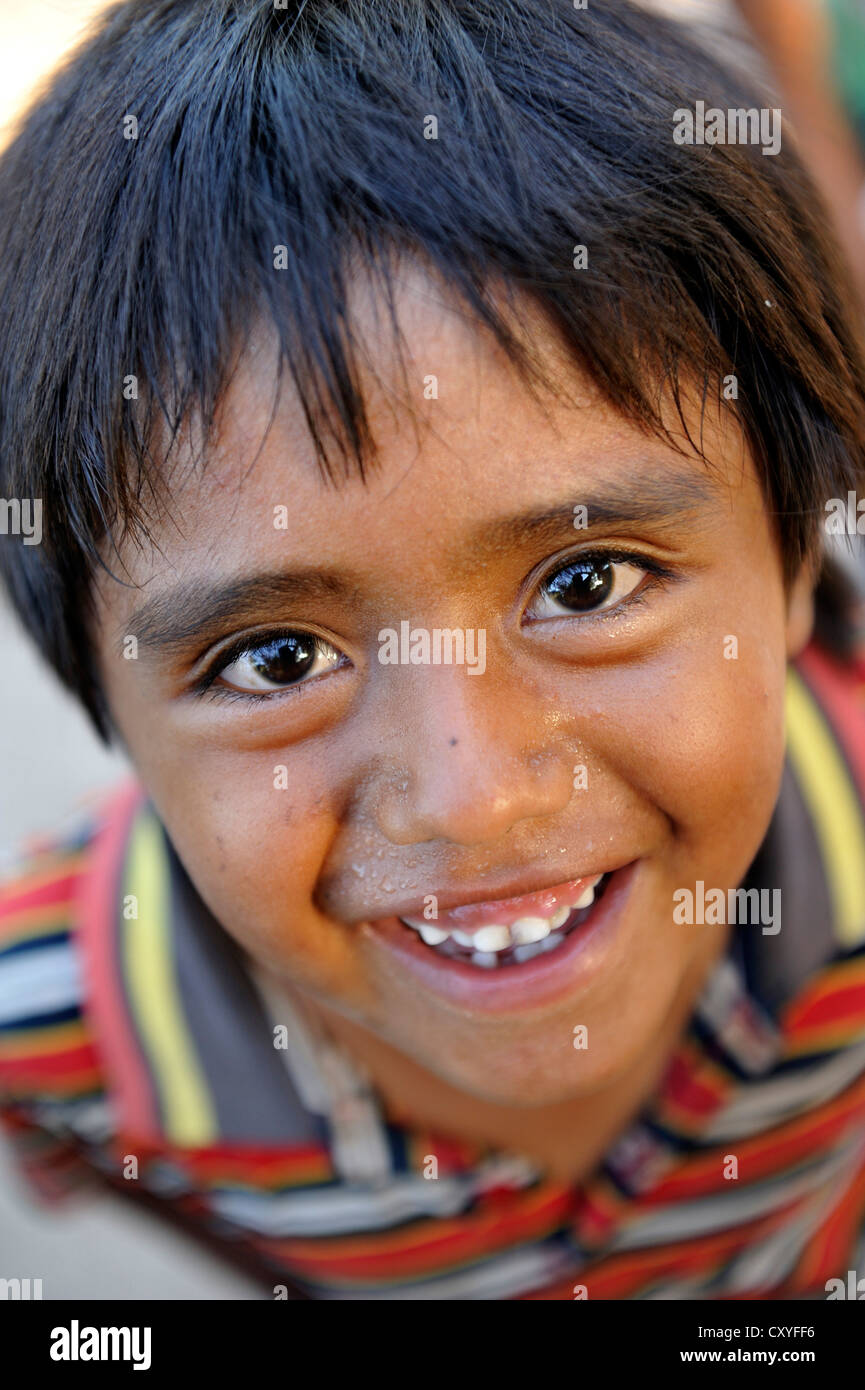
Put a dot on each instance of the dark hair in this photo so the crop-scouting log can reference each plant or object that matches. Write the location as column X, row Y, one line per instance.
column 305, row 126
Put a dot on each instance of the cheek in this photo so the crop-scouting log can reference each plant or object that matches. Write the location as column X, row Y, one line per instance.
column 255, row 853
column 700, row 734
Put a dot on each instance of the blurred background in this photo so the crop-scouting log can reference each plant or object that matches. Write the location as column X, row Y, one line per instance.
column 51, row 762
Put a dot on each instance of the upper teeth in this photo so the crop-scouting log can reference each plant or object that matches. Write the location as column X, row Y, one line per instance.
column 497, row 936
column 493, row 938
column 433, row 936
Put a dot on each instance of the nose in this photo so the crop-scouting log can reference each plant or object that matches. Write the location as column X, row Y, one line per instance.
column 473, row 760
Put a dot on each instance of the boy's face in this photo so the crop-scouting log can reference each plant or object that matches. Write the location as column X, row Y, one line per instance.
column 616, row 721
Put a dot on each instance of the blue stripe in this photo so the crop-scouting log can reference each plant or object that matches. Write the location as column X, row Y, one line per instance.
column 35, row 943
column 20, row 1025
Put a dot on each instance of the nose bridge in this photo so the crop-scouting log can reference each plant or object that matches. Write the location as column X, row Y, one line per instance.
column 467, row 758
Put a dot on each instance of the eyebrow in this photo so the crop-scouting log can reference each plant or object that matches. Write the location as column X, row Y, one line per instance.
column 191, row 612
column 173, row 620
column 667, row 497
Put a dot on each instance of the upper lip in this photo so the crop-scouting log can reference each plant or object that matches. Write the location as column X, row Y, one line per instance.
column 517, row 887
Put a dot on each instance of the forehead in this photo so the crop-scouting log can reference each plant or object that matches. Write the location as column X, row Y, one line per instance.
column 460, row 438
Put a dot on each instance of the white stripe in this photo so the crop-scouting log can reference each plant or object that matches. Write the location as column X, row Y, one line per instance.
column 755, row 1046
column 679, row 1291
column 342, row 1210
column 329, row 1084
column 92, row 1120
column 767, row 1263
column 768, row 1103
column 39, row 982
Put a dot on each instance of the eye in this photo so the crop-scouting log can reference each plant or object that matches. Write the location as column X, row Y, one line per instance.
column 279, row 661
column 587, row 584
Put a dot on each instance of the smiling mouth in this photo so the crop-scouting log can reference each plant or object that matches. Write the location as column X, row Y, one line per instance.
column 496, row 945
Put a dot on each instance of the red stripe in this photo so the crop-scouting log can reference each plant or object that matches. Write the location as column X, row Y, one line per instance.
column 53, row 1064
column 429, row 1247
column 124, row 1065
column 832, row 1245
column 55, row 891
column 834, row 1006
column 775, row 1154
column 620, row 1275
column 269, row 1166
column 599, row 1210
column 687, row 1090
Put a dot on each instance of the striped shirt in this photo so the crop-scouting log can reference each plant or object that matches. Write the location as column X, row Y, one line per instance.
column 137, row 1044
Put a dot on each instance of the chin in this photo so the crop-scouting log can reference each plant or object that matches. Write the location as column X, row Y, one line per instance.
column 551, row 1079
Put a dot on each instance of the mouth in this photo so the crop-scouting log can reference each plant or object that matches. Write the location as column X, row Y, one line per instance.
column 513, row 955
column 505, row 940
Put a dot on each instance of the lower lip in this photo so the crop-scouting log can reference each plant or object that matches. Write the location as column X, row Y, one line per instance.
column 512, row 988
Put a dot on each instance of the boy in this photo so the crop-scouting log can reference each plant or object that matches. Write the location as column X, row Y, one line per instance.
column 473, row 930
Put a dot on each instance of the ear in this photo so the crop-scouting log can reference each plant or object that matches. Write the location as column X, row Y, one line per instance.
column 800, row 608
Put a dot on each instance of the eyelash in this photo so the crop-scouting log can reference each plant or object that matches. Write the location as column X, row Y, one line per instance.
column 660, row 575
column 206, row 684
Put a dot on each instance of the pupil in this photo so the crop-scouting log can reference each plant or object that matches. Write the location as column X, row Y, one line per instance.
column 284, row 659
column 583, row 584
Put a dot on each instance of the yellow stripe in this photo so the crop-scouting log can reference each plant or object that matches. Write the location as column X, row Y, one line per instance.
column 23, row 1042
column 830, row 794
column 828, row 1039
column 37, row 921
column 153, row 988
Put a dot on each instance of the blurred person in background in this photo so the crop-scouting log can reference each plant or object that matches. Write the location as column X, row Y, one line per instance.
column 816, row 51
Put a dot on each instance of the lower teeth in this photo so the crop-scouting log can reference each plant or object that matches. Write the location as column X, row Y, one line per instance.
column 537, row 948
